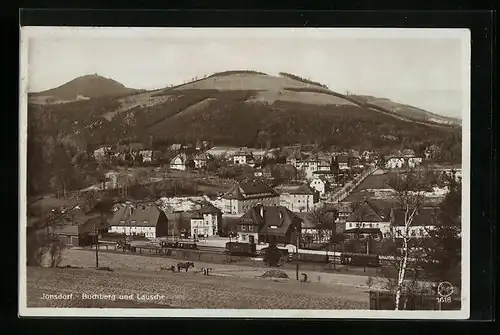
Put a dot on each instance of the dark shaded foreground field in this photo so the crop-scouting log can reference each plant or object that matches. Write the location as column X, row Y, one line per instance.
column 185, row 290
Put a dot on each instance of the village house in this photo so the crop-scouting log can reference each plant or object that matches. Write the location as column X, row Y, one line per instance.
column 150, row 156
column 315, row 228
column 408, row 153
column 200, row 160
column 320, row 184
column 295, row 159
column 207, row 223
column 325, row 162
column 369, row 219
column 147, row 220
column 432, row 151
column 179, row 162
column 220, row 151
column 244, row 195
column 243, row 157
column 343, row 162
column 260, row 154
column 414, row 161
column 368, row 156
column 297, row 198
column 269, row 224
column 264, row 173
column 79, row 229
column 423, row 221
column 399, row 160
column 394, row 162
column 176, row 147
column 310, row 165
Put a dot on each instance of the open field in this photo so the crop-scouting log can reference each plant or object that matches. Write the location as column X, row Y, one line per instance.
column 127, row 261
column 376, row 180
column 184, row 290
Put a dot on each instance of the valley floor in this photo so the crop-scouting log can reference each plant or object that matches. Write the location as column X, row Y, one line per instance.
column 150, row 289
column 228, row 286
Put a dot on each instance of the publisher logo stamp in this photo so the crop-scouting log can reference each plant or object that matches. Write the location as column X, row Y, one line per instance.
column 445, row 289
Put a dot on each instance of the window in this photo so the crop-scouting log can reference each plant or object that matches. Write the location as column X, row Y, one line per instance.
column 244, row 237
column 243, row 227
column 413, row 233
column 250, row 228
column 358, row 225
column 421, row 232
column 132, row 222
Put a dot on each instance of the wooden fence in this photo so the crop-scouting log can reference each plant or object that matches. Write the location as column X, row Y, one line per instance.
column 380, row 300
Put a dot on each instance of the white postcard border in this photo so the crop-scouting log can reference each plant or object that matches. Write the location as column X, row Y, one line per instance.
column 123, row 32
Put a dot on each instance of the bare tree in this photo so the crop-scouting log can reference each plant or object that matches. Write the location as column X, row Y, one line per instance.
column 410, row 186
column 55, row 250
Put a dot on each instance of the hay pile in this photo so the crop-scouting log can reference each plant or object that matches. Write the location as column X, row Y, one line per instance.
column 275, row 274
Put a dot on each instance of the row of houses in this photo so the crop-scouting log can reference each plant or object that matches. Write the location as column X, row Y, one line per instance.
column 406, row 158
column 259, row 223
column 237, row 156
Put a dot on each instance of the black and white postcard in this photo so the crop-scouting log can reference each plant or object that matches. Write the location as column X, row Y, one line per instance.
column 244, row 172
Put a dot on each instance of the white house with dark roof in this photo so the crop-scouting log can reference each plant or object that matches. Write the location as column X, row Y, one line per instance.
column 207, row 222
column 265, row 224
column 201, row 160
column 320, row 184
column 243, row 157
column 394, row 162
column 179, row 162
column 147, row 220
column 414, row 161
column 368, row 218
column 244, row 195
column 423, row 221
column 297, row 198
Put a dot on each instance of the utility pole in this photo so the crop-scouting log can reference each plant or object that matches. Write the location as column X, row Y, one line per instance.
column 96, row 247
column 297, row 254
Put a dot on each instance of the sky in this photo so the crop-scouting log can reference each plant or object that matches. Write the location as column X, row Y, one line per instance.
column 425, row 68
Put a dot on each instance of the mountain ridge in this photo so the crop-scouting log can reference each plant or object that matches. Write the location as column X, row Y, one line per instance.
column 84, row 87
column 242, row 109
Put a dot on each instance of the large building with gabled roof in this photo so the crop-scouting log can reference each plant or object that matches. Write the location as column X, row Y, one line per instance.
column 242, row 196
column 297, row 198
column 269, row 224
column 368, row 218
column 145, row 219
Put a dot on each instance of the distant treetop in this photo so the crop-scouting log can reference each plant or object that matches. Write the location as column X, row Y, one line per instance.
column 228, row 73
column 304, row 80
